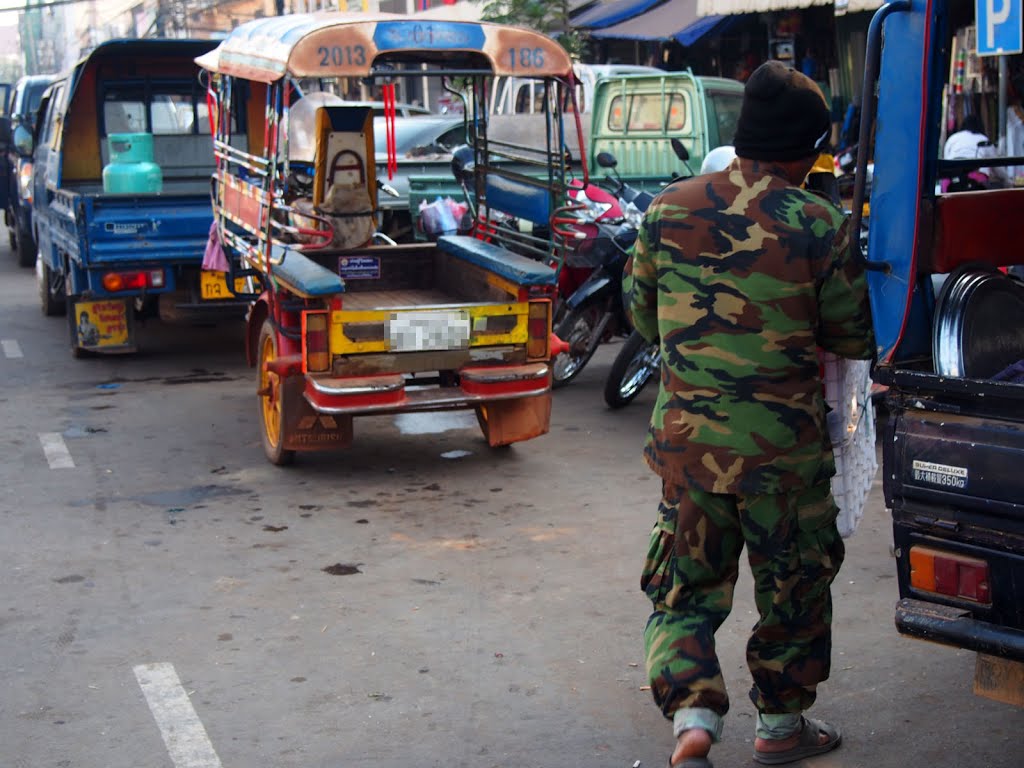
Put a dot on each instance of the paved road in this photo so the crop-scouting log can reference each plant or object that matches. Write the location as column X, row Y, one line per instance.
column 483, row 608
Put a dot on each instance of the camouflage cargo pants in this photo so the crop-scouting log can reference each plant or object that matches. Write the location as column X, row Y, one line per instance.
column 794, row 551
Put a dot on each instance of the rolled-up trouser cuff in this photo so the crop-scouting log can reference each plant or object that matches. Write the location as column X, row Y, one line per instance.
column 777, row 726
column 697, row 717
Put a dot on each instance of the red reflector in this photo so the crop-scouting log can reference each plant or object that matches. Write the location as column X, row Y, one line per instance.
column 947, row 578
column 974, row 583
column 538, row 327
column 316, row 341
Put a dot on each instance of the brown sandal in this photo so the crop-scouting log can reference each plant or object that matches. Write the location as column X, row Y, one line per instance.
column 808, row 746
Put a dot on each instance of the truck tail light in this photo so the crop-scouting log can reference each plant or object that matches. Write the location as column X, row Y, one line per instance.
column 944, row 573
column 538, row 330
column 316, row 354
column 133, row 281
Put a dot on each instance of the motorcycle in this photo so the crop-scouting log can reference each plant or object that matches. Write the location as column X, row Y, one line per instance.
column 594, row 312
column 639, row 360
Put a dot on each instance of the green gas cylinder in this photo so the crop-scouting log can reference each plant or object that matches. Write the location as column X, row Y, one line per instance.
column 131, row 168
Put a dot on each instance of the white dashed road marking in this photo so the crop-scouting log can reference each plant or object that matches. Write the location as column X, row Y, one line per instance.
column 56, row 451
column 11, row 348
column 183, row 733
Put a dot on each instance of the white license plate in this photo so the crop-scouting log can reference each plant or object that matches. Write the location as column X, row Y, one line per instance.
column 429, row 331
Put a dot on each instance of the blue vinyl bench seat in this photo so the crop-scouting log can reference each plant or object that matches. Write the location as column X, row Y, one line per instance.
column 304, row 276
column 511, row 266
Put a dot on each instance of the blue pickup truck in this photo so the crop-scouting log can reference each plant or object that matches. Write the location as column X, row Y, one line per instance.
column 112, row 252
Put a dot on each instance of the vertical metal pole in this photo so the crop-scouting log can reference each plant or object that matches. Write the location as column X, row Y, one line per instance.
column 1003, row 78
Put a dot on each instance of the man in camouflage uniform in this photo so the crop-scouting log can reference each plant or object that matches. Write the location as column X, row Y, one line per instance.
column 744, row 275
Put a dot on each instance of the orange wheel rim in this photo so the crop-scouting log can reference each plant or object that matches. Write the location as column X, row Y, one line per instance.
column 270, row 384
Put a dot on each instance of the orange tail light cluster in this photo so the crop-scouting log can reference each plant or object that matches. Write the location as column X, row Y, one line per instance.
column 316, row 353
column 133, row 281
column 538, row 330
column 943, row 573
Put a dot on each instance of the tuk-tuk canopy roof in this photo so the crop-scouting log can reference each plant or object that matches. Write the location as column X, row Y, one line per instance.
column 333, row 44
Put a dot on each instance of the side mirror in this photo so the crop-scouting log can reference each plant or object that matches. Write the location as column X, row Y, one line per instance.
column 606, row 160
column 463, row 163
column 680, row 149
column 23, row 141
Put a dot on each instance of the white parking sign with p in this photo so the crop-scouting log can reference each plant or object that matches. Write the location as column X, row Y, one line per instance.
column 999, row 27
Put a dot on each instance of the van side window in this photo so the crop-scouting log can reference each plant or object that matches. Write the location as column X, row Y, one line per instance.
column 726, row 108
column 49, row 137
column 523, row 99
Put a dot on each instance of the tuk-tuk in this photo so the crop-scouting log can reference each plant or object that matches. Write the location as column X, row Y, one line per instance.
column 344, row 323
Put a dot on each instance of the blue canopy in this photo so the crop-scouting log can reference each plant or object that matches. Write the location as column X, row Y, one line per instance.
column 608, row 12
column 672, row 20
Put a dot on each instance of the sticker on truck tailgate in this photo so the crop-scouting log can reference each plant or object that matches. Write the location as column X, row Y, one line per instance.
column 101, row 324
column 940, row 474
column 428, row 331
column 359, row 267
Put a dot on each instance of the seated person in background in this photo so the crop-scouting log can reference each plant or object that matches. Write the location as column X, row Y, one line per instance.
column 967, row 143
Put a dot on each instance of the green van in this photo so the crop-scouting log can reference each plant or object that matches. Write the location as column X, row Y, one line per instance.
column 633, row 116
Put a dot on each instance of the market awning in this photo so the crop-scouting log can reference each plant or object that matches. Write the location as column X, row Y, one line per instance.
column 672, row 20
column 609, row 12
column 727, row 7
column 857, row 6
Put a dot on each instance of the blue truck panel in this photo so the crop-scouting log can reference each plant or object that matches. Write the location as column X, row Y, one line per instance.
column 135, row 231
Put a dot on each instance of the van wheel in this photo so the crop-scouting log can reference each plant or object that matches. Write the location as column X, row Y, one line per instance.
column 26, row 248
column 51, row 290
column 271, row 399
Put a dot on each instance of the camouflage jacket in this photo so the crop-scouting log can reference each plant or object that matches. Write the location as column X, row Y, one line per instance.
column 744, row 277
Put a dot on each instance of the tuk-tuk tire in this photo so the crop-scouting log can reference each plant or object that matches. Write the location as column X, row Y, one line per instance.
column 273, row 444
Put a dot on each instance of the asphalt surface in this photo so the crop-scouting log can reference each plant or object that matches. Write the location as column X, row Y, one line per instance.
column 174, row 601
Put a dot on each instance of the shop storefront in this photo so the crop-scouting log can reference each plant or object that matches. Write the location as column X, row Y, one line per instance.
column 730, row 38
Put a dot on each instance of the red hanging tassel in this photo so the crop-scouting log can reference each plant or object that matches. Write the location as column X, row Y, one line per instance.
column 390, row 112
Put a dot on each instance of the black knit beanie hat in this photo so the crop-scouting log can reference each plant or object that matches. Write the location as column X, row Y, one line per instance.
column 783, row 116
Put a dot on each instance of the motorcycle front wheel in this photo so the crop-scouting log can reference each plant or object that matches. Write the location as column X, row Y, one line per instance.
column 577, row 328
column 634, row 366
